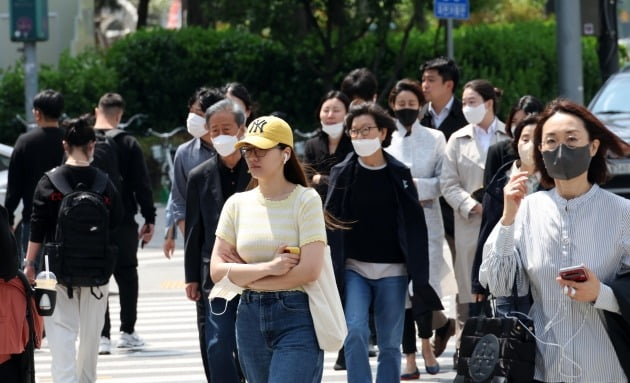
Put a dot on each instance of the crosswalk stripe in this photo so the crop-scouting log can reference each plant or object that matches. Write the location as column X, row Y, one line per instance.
column 167, row 323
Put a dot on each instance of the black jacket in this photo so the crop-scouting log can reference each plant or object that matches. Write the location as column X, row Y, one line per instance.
column 412, row 230
column 618, row 326
column 8, row 248
column 492, row 211
column 204, row 201
column 319, row 160
column 452, row 123
column 136, row 184
column 47, row 200
column 35, row 153
column 498, row 155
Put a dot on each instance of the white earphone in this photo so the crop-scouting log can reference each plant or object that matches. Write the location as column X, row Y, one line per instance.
column 286, row 157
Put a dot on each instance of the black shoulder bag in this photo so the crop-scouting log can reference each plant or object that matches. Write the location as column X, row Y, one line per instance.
column 497, row 349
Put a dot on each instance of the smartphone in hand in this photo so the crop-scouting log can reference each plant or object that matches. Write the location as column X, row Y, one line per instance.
column 574, row 273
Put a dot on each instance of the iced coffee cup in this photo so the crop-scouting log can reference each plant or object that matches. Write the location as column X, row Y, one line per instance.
column 45, row 292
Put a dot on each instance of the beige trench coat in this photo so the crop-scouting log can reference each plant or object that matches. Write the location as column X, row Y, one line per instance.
column 462, row 174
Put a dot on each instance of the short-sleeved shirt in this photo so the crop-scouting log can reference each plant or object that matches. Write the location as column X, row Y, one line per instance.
column 257, row 226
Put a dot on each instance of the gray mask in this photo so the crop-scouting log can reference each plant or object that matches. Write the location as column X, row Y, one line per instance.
column 564, row 163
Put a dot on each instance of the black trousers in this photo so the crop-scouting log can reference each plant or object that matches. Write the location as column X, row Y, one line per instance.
column 425, row 330
column 126, row 276
column 201, row 316
column 10, row 370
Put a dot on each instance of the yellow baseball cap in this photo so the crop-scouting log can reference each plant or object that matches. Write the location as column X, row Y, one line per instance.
column 266, row 132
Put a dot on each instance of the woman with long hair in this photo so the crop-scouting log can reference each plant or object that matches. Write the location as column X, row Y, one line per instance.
column 461, row 182
column 330, row 146
column 275, row 335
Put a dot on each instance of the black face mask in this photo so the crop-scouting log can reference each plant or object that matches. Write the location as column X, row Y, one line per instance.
column 564, row 163
column 407, row 116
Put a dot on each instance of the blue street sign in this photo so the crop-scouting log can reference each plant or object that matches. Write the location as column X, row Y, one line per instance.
column 451, row 9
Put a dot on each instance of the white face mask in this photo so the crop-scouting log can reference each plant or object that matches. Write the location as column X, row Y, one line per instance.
column 474, row 114
column 334, row 130
column 526, row 153
column 224, row 289
column 196, row 125
column 367, row 146
column 224, row 144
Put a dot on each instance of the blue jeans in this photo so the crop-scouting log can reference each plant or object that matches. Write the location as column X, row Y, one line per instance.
column 221, row 340
column 388, row 298
column 506, row 305
column 276, row 338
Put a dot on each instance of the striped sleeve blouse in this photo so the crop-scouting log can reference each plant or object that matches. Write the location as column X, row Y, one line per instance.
column 550, row 233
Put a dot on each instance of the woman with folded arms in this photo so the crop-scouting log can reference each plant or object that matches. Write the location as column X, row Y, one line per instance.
column 275, row 335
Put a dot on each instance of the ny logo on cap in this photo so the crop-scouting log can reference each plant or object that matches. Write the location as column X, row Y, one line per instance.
column 257, row 126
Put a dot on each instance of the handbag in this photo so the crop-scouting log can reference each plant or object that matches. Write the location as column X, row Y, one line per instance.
column 326, row 310
column 497, row 349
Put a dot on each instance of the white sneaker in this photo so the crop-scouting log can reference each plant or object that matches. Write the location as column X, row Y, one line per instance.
column 127, row 340
column 104, row 346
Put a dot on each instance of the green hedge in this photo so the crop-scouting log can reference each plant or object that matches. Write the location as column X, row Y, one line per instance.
column 157, row 70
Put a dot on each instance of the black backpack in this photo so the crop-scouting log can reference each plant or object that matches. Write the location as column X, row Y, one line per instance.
column 107, row 156
column 81, row 254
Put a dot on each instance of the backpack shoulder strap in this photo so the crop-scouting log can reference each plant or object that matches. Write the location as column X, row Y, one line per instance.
column 59, row 181
column 113, row 133
column 100, row 182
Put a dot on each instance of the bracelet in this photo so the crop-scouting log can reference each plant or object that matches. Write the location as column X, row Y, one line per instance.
column 28, row 262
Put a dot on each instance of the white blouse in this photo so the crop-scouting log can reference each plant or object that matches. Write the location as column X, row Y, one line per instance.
column 549, row 233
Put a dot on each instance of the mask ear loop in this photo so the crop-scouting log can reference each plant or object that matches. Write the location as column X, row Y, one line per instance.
column 226, row 301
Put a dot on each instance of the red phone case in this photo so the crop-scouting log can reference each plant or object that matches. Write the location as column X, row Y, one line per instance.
column 575, row 273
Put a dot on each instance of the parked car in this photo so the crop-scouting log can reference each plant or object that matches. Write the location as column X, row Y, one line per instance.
column 611, row 105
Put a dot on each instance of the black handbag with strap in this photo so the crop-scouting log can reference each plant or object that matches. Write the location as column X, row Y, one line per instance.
column 498, row 349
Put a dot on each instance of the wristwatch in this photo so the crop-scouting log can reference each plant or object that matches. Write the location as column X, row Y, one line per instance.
column 28, row 262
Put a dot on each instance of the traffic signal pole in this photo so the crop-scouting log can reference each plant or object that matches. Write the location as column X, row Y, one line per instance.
column 30, row 81
column 569, row 48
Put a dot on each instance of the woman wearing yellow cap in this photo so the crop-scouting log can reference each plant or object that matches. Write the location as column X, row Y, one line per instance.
column 275, row 335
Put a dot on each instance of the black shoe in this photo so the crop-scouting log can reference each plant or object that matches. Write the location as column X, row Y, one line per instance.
column 340, row 363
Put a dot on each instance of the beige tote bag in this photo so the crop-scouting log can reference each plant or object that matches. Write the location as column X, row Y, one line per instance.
column 326, row 309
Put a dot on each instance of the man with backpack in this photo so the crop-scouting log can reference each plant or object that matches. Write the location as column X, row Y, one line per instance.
column 120, row 155
column 75, row 209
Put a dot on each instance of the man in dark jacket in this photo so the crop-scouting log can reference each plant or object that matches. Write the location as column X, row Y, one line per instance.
column 209, row 185
column 135, row 190
column 34, row 153
column 443, row 112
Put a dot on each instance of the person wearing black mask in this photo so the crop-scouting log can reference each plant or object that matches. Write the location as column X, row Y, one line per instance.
column 576, row 223
column 422, row 150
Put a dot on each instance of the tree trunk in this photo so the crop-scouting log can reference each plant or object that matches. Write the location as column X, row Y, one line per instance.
column 143, row 14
